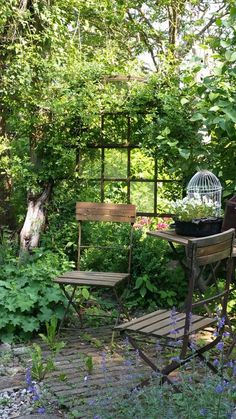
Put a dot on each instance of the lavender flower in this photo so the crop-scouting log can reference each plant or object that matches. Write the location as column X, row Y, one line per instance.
column 220, row 346
column 203, row 411
column 216, row 362
column 221, row 323
column 219, row 389
column 41, row 410
column 175, row 358
column 28, row 377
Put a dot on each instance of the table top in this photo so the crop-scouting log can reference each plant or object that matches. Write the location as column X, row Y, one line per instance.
column 171, row 236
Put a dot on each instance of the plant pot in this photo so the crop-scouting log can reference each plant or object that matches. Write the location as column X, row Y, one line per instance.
column 199, row 227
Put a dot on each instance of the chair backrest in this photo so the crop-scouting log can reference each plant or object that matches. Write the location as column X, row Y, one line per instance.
column 105, row 212
column 212, row 251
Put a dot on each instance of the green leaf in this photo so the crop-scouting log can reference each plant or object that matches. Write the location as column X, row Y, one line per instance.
column 197, row 117
column 184, row 100
column 184, row 153
column 213, row 96
column 138, row 282
column 214, row 108
column 231, row 113
column 218, row 22
column 143, row 292
column 85, row 293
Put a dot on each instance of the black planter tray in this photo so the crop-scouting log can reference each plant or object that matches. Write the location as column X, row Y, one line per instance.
column 199, row 227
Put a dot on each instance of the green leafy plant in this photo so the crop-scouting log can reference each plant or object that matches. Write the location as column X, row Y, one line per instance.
column 51, row 336
column 89, row 363
column 40, row 366
column 28, row 297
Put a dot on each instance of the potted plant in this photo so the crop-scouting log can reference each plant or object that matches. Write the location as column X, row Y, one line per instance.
column 196, row 216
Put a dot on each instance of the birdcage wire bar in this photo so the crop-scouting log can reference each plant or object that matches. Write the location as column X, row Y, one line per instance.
column 207, row 187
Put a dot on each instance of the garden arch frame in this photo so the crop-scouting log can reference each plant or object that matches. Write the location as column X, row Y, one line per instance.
column 126, row 144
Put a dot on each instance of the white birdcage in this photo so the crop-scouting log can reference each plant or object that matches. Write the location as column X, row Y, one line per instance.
column 207, row 187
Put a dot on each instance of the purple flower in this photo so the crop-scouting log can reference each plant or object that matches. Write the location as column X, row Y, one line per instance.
column 221, row 323
column 203, row 411
column 91, row 402
column 220, row 346
column 175, row 358
column 158, row 346
column 216, row 362
column 230, row 364
column 192, row 345
column 219, row 389
column 28, row 377
column 41, row 410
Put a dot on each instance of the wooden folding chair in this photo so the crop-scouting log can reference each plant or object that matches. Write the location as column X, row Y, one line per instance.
column 70, row 281
column 202, row 255
column 229, row 221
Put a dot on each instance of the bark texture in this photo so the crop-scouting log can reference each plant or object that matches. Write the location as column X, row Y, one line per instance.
column 34, row 220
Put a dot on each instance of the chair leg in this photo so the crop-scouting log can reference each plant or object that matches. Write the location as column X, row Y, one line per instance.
column 121, row 308
column 70, row 302
column 164, row 377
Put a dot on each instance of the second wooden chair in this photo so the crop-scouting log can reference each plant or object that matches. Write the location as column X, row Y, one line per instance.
column 70, row 281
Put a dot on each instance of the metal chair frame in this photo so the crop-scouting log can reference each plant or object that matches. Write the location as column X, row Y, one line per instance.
column 200, row 252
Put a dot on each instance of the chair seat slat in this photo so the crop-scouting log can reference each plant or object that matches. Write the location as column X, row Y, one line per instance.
column 91, row 274
column 159, row 324
column 151, row 317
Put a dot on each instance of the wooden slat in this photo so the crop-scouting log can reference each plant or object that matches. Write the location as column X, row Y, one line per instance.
column 170, row 235
column 105, row 279
column 216, row 248
column 86, row 282
column 214, row 239
column 89, row 274
column 163, row 313
column 202, row 323
column 91, row 211
column 204, row 260
column 159, row 324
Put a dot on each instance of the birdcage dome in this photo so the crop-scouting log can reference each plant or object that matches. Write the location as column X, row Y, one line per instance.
column 205, row 186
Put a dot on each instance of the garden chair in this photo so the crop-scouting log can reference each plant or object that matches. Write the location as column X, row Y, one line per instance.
column 202, row 255
column 70, row 281
column 229, row 221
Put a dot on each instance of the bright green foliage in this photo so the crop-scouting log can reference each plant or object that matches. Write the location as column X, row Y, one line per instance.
column 28, row 297
column 156, row 281
column 215, row 105
column 51, row 336
column 40, row 366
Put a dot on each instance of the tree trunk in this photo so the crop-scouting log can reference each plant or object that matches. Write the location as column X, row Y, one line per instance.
column 34, row 221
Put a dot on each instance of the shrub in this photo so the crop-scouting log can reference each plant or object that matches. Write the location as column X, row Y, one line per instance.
column 28, row 297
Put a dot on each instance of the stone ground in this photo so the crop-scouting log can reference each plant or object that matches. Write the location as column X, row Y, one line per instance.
column 85, row 369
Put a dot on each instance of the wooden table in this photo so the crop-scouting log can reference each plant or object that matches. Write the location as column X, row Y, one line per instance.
column 172, row 237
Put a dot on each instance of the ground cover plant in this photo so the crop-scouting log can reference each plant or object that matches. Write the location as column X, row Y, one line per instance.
column 28, row 296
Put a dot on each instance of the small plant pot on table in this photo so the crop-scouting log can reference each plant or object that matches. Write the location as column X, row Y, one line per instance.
column 199, row 227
